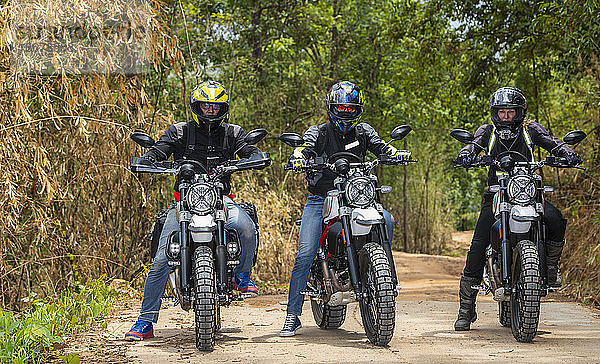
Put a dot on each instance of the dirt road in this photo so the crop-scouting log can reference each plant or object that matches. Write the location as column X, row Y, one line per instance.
column 426, row 310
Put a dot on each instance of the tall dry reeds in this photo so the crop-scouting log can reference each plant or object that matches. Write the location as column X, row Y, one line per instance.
column 68, row 204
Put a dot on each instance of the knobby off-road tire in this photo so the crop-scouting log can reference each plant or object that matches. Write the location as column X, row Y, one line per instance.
column 378, row 308
column 205, row 300
column 504, row 310
column 326, row 317
column 525, row 299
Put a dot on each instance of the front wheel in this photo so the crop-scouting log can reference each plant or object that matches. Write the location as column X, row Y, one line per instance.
column 205, row 300
column 377, row 307
column 526, row 291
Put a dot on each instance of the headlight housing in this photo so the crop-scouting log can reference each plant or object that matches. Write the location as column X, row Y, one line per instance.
column 201, row 198
column 360, row 191
column 521, row 189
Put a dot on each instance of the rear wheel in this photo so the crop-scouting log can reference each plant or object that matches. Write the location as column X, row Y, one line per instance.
column 326, row 317
column 525, row 297
column 377, row 307
column 206, row 311
column 504, row 310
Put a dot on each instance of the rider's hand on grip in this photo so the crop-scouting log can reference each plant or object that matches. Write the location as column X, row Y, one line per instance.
column 297, row 164
column 572, row 159
column 403, row 156
column 464, row 159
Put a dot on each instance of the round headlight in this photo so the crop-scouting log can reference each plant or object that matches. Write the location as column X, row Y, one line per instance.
column 521, row 189
column 201, row 198
column 360, row 191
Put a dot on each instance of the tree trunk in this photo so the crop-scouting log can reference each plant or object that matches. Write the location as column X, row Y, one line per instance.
column 404, row 208
column 335, row 49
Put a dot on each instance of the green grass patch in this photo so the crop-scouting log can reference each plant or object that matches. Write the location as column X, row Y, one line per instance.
column 31, row 336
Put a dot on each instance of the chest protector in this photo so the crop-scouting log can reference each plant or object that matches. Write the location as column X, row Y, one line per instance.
column 207, row 151
column 528, row 144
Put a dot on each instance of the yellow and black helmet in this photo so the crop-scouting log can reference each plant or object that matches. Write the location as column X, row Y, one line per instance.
column 210, row 95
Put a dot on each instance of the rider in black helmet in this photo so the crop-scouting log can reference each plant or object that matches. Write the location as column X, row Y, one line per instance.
column 508, row 131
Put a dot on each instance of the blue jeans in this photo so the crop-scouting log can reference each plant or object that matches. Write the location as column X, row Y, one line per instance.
column 237, row 219
column 311, row 229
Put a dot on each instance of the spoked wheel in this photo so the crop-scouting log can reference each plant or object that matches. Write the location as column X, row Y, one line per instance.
column 377, row 307
column 504, row 309
column 525, row 298
column 326, row 317
column 206, row 311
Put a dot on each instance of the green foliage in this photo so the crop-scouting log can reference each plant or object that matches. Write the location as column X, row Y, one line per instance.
column 31, row 335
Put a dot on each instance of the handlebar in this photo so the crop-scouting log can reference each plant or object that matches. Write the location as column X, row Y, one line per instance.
column 320, row 163
column 141, row 165
column 550, row 161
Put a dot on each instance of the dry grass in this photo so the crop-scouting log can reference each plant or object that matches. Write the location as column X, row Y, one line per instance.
column 278, row 209
column 69, row 206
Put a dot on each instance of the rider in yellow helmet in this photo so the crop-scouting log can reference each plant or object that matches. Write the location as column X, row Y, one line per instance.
column 209, row 140
column 210, row 96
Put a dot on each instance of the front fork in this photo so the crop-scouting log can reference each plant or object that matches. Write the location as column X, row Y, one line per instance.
column 352, row 259
column 387, row 247
column 186, row 261
column 540, row 236
column 506, row 247
column 220, row 248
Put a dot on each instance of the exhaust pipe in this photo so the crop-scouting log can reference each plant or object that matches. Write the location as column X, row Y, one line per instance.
column 336, row 283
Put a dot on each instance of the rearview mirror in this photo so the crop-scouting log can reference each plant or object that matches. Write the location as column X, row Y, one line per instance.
column 142, row 139
column 574, row 137
column 292, row 139
column 462, row 136
column 255, row 136
column 400, row 132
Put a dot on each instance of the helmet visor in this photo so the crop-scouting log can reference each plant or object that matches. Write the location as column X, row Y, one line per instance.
column 210, row 110
column 346, row 111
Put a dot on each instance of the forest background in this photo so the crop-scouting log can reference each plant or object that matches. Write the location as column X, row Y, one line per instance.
column 77, row 77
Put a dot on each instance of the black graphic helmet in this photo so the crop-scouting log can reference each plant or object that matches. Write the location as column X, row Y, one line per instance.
column 508, row 98
column 345, row 105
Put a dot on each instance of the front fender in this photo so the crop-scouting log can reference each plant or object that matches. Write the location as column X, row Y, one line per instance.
column 202, row 227
column 363, row 219
column 521, row 218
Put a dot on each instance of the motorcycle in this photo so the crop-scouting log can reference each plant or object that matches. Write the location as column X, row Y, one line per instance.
column 515, row 270
column 203, row 254
column 354, row 261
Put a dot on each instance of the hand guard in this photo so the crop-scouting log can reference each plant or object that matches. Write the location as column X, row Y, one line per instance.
column 147, row 160
column 464, row 159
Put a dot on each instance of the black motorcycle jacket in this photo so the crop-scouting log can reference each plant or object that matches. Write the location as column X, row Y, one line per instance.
column 326, row 140
column 531, row 134
column 210, row 150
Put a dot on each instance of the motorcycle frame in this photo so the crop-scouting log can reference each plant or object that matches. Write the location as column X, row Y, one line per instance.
column 537, row 233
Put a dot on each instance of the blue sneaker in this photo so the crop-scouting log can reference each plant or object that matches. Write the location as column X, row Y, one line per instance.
column 290, row 325
column 244, row 284
column 139, row 331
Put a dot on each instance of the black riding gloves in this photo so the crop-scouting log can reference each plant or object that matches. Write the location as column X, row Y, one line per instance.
column 573, row 158
column 464, row 159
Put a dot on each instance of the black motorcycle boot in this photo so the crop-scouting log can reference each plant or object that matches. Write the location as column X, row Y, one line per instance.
column 553, row 253
column 466, row 310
